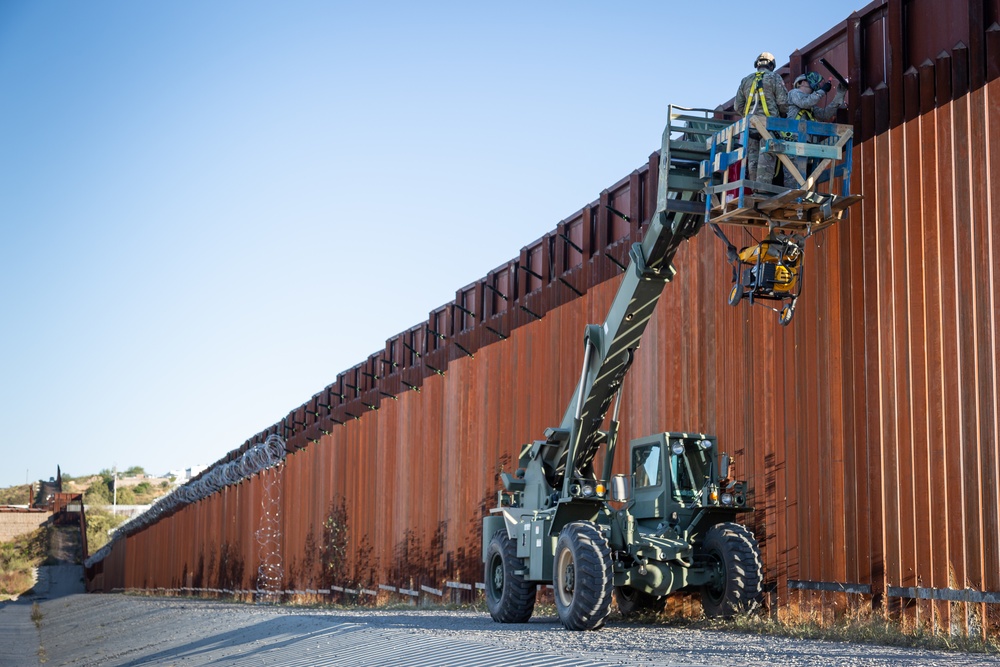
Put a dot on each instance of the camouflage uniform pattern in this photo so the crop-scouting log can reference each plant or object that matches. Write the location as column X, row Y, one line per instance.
column 799, row 101
column 761, row 167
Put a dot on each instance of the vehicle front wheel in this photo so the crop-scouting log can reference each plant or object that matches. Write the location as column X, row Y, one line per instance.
column 509, row 597
column 731, row 551
column 583, row 576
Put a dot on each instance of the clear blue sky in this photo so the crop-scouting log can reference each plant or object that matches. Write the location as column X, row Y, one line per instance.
column 209, row 209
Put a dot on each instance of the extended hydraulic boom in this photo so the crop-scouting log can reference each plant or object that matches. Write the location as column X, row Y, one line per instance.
column 609, row 348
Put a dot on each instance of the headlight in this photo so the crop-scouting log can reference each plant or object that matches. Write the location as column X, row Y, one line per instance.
column 588, row 490
column 705, row 444
column 677, row 447
column 727, row 499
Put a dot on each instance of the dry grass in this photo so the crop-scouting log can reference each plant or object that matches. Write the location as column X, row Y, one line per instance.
column 15, row 583
column 858, row 625
column 18, row 558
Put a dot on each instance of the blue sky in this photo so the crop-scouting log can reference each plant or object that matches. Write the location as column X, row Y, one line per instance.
column 209, row 209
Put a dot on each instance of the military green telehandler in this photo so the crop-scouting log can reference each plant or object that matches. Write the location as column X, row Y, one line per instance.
column 670, row 524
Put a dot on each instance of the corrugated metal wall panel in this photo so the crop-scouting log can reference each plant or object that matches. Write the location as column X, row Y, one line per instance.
column 868, row 428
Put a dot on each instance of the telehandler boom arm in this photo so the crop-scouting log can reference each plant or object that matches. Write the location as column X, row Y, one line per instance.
column 609, row 347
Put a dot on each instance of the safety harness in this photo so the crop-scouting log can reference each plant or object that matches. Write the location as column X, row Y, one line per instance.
column 756, row 93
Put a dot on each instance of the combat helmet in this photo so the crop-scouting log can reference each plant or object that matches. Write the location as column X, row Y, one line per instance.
column 765, row 59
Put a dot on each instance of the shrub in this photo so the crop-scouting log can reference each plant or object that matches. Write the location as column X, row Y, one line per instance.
column 18, row 558
column 97, row 494
column 99, row 524
column 126, row 496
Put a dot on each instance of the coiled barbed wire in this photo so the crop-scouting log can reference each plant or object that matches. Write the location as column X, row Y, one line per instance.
column 270, row 572
column 258, row 458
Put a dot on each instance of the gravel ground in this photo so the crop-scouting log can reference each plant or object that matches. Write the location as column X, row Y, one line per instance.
column 118, row 630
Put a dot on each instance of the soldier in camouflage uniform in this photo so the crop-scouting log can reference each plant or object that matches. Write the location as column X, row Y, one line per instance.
column 761, row 93
column 806, row 93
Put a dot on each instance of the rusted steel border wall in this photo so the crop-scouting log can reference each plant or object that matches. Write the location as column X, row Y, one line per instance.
column 868, row 428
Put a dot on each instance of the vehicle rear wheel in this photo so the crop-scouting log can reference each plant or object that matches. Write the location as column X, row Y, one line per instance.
column 583, row 576
column 736, row 585
column 632, row 601
column 785, row 316
column 509, row 597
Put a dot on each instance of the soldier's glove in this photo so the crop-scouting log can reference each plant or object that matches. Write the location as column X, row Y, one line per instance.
column 826, row 87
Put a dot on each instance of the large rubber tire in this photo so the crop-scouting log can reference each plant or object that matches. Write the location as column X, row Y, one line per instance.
column 632, row 602
column 509, row 597
column 582, row 580
column 732, row 550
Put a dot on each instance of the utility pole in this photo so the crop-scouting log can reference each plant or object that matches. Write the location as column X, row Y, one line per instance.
column 114, row 489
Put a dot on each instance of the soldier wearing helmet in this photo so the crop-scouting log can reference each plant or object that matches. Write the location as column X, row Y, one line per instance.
column 761, row 93
column 808, row 90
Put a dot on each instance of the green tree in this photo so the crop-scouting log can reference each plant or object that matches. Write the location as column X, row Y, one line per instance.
column 100, row 523
column 98, row 493
column 134, row 471
column 126, row 496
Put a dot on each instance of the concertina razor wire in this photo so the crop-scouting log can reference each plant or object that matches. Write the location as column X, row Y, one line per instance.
column 258, row 458
column 270, row 571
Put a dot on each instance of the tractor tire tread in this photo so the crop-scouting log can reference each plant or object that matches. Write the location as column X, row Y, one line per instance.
column 517, row 600
column 740, row 553
column 591, row 602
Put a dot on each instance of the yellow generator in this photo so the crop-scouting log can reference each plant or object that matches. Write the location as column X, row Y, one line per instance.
column 771, row 269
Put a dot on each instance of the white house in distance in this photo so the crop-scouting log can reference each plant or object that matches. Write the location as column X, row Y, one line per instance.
column 187, row 474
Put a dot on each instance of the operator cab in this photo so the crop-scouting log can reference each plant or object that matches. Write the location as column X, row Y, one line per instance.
column 678, row 471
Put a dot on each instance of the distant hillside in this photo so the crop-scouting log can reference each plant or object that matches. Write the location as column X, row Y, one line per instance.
column 100, row 490
column 15, row 495
column 133, row 485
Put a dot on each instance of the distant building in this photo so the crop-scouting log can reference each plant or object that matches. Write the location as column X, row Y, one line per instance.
column 187, row 474
column 128, row 511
